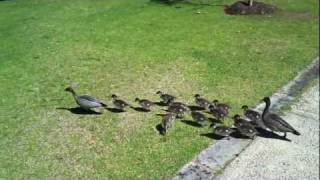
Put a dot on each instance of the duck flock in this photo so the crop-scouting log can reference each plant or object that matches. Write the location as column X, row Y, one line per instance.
column 247, row 126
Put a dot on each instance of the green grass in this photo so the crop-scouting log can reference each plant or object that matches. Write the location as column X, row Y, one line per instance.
column 132, row 48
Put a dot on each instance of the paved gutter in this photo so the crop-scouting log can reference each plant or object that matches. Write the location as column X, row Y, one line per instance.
column 211, row 161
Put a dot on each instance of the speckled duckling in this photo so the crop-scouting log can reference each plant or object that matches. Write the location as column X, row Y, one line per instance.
column 85, row 102
column 244, row 127
column 218, row 113
column 201, row 101
column 144, row 103
column 178, row 110
column 254, row 116
column 199, row 117
column 167, row 121
column 274, row 122
column 223, row 131
column 178, row 104
column 238, row 121
column 118, row 103
column 166, row 98
column 222, row 107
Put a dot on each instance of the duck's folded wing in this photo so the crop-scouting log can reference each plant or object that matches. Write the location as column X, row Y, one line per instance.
column 90, row 98
column 280, row 121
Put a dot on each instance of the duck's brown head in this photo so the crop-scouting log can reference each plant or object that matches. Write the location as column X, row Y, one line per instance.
column 245, row 107
column 159, row 92
column 236, row 117
column 113, row 96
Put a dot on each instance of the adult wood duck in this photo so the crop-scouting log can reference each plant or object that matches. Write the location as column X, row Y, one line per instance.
column 118, row 103
column 274, row 122
column 85, row 102
column 166, row 98
column 144, row 103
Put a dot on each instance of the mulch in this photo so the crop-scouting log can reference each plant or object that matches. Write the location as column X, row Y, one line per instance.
column 243, row 8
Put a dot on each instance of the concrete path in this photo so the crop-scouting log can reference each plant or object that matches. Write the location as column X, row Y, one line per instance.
column 274, row 159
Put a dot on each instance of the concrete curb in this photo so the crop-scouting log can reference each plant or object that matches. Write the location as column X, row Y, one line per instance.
column 212, row 160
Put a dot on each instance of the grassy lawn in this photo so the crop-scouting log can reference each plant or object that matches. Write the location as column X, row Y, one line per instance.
column 132, row 48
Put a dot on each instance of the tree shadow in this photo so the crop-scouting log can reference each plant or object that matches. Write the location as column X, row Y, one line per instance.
column 192, row 123
column 196, row 108
column 115, row 110
column 80, row 111
column 140, row 109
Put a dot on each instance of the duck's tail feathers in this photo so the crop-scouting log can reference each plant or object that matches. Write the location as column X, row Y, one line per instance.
column 296, row 133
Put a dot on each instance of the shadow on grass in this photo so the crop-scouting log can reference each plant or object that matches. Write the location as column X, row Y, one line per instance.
column 80, row 111
column 160, row 129
column 196, row 108
column 167, row 2
column 115, row 110
column 214, row 120
column 160, row 103
column 140, row 109
column 212, row 136
column 192, row 123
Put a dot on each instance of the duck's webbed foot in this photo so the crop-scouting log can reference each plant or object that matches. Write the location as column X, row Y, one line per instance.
column 285, row 135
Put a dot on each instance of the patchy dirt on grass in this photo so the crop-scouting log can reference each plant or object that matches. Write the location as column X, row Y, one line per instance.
column 243, row 8
column 297, row 15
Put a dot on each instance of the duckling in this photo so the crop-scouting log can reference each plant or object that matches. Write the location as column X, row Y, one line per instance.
column 220, row 114
column 248, row 131
column 274, row 122
column 178, row 104
column 254, row 116
column 144, row 103
column 178, row 110
column 223, row 131
column 199, row 117
column 166, row 98
column 238, row 121
column 167, row 121
column 118, row 103
column 85, row 102
column 201, row 101
column 244, row 127
column 223, row 107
